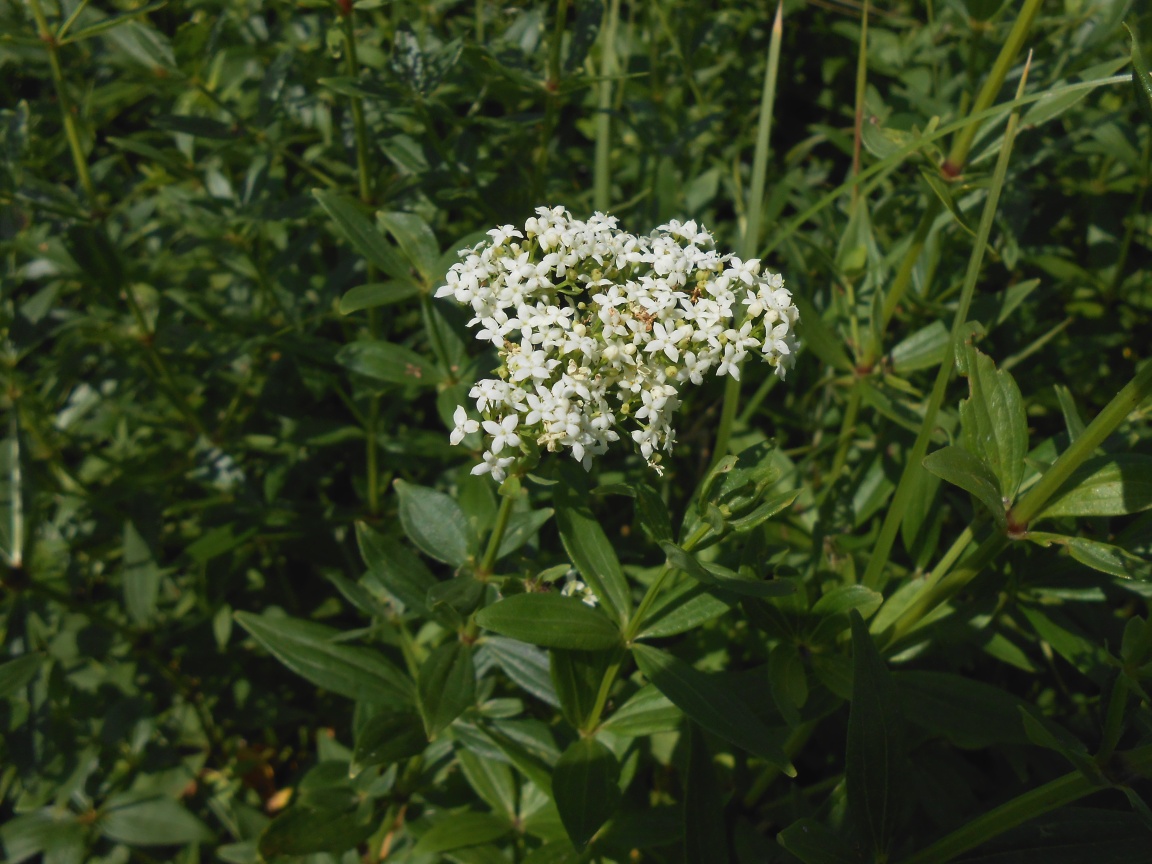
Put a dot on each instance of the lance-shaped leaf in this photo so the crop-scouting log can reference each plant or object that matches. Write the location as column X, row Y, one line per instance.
column 389, row 362
column 705, row 834
column 415, row 238
column 961, row 468
column 377, row 294
column 312, row 650
column 550, row 620
column 875, row 757
column 141, row 576
column 585, row 786
column 577, row 676
column 1099, row 556
column 589, row 549
column 447, row 686
column 711, row 704
column 722, row 577
column 1112, row 485
column 395, row 567
column 814, row 843
column 435, row 523
column 357, row 229
column 386, row 738
column 993, row 421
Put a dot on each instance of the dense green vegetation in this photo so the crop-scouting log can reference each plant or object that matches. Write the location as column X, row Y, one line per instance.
column 256, row 606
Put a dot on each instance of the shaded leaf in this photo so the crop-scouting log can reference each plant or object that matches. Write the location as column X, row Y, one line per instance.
column 961, row 468
column 311, row 650
column 813, row 843
column 457, row 830
column 711, row 704
column 395, row 568
column 550, row 620
column 388, row 737
column 1099, row 556
column 447, row 685
column 993, row 421
column 357, row 229
column 15, row 674
column 589, row 549
column 874, row 761
column 151, row 822
column 705, row 834
column 585, row 787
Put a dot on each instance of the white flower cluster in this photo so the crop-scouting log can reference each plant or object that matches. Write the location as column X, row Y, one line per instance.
column 597, row 329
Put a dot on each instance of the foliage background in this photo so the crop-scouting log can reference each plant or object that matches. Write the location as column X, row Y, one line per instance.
column 194, row 426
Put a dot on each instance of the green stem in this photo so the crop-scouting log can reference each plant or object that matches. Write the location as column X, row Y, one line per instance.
column 846, row 429
column 551, row 99
column 1058, row 793
column 71, row 130
column 167, row 382
column 497, row 536
column 1103, row 425
column 602, row 182
column 750, row 241
column 935, row 594
column 954, row 164
column 632, row 630
column 992, row 84
column 874, row 575
column 353, row 64
column 1114, row 718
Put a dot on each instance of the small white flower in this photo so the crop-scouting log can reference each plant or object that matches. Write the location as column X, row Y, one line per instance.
column 503, row 432
column 464, row 425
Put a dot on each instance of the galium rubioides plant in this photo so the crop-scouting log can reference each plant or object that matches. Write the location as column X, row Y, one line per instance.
column 552, row 563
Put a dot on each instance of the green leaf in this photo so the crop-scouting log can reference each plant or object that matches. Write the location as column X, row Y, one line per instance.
column 522, row 527
column 389, row 362
column 144, row 44
column 764, row 511
column 312, row 651
column 814, row 843
column 110, row 22
column 819, row 336
column 585, row 786
column 843, row 598
column 197, row 127
column 15, row 674
column 1070, row 835
column 960, row 468
column 705, row 834
column 967, row 712
column 993, row 421
column 493, row 781
column 788, row 680
column 550, row 620
column 721, row 577
column 683, row 608
column 711, row 704
column 588, row 546
column 526, row 665
column 457, row 830
column 924, row 349
column 386, row 738
column 648, row 711
column 982, row 10
column 874, row 762
column 447, row 686
column 1141, row 74
column 357, row 229
column 577, row 676
column 304, row 830
column 141, row 577
column 1099, row 556
column 435, row 523
column 151, row 822
column 1112, row 485
column 395, row 568
column 376, row 294
column 415, row 238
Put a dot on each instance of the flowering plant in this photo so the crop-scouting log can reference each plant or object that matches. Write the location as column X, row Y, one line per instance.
column 596, row 328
